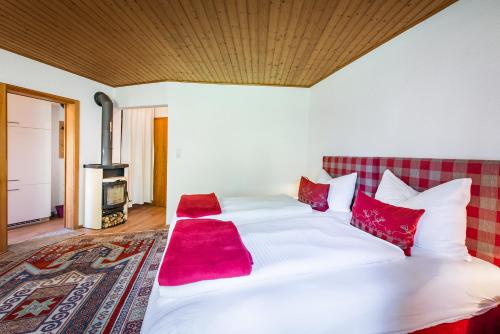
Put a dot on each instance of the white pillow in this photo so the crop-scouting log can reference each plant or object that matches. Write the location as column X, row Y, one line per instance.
column 442, row 228
column 393, row 190
column 341, row 190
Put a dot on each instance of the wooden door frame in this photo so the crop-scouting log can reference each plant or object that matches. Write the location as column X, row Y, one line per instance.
column 71, row 155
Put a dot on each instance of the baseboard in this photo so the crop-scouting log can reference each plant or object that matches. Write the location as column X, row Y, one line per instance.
column 27, row 222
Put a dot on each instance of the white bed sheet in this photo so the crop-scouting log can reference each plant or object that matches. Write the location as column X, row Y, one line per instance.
column 396, row 297
column 296, row 245
column 247, row 209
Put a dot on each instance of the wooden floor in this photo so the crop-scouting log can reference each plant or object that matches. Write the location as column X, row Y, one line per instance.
column 24, row 233
column 140, row 218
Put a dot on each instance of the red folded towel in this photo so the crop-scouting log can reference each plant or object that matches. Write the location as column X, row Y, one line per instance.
column 194, row 206
column 204, row 249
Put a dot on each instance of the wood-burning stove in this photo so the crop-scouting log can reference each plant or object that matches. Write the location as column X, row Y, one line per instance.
column 106, row 197
column 106, row 200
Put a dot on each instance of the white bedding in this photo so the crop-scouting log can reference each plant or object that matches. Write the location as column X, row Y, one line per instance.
column 396, row 297
column 314, row 273
column 296, row 245
column 246, row 209
column 263, row 206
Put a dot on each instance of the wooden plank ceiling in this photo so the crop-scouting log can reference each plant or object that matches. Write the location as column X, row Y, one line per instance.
column 125, row 42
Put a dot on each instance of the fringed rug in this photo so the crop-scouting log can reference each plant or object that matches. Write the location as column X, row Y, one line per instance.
column 86, row 284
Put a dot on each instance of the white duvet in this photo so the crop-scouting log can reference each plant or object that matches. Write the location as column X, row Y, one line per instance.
column 394, row 297
column 296, row 245
column 314, row 273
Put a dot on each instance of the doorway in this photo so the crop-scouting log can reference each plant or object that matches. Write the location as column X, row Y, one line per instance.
column 35, row 138
column 143, row 140
column 140, row 139
column 71, row 155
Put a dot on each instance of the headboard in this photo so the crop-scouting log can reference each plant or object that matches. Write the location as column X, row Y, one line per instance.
column 483, row 212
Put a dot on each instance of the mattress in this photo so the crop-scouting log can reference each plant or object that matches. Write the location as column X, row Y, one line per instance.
column 383, row 296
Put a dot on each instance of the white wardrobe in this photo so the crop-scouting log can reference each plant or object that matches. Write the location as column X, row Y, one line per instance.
column 29, row 158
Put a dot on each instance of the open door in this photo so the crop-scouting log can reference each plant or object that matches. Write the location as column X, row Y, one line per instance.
column 160, row 161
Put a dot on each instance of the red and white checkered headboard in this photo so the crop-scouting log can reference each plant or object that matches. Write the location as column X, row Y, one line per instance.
column 483, row 212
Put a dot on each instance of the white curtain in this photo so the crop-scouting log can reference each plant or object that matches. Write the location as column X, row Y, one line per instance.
column 137, row 149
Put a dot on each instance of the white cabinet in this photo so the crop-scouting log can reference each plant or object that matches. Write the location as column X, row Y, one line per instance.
column 29, row 155
column 27, row 112
column 28, row 202
column 29, row 158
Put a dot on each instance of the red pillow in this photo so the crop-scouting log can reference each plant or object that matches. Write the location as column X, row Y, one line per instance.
column 194, row 206
column 314, row 194
column 388, row 222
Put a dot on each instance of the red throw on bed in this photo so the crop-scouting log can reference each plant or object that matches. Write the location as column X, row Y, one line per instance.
column 200, row 205
column 204, row 249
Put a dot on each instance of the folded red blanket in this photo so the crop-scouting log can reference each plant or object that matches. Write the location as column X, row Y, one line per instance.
column 194, row 206
column 204, row 249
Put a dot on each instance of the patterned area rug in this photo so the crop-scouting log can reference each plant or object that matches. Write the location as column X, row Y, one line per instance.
column 86, row 284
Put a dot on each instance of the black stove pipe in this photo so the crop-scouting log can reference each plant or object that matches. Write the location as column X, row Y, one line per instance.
column 107, row 125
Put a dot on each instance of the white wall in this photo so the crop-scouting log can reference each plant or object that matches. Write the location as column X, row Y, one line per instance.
column 28, row 73
column 234, row 140
column 433, row 91
column 57, row 164
column 147, row 95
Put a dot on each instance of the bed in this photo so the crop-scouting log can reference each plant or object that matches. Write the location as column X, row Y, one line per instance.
column 255, row 208
column 380, row 291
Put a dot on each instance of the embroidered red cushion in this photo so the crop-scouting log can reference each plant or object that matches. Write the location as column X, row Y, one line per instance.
column 388, row 222
column 194, row 206
column 314, row 194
